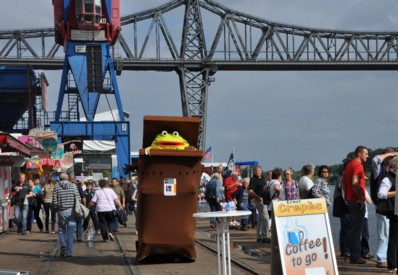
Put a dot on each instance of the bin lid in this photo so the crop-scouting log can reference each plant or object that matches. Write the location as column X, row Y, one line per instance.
column 187, row 127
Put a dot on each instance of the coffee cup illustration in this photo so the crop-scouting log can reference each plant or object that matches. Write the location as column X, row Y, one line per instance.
column 295, row 236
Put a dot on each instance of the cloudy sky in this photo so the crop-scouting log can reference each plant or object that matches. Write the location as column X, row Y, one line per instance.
column 280, row 119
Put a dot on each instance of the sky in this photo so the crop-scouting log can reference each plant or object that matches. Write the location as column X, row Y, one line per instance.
column 280, row 119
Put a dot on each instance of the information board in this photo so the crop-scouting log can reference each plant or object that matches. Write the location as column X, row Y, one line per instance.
column 304, row 237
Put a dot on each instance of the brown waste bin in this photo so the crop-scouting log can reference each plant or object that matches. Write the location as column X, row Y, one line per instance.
column 168, row 182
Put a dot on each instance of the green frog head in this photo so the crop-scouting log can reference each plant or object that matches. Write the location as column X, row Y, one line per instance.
column 172, row 141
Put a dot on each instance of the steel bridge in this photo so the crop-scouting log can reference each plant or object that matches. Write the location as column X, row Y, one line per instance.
column 175, row 37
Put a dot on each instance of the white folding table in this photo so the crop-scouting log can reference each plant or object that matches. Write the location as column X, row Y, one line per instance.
column 224, row 253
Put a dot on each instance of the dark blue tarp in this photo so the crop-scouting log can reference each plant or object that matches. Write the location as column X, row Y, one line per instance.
column 18, row 88
column 249, row 162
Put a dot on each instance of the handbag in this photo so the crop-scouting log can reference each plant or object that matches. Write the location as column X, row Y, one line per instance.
column 34, row 203
column 80, row 211
column 122, row 217
column 340, row 208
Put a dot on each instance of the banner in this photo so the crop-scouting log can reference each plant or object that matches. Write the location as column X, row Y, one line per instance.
column 73, row 146
column 304, row 237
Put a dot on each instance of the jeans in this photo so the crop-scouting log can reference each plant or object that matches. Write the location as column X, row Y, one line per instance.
column 66, row 227
column 115, row 224
column 344, row 235
column 365, row 237
column 249, row 207
column 383, row 227
column 263, row 220
column 21, row 215
column 357, row 216
column 79, row 229
column 131, row 207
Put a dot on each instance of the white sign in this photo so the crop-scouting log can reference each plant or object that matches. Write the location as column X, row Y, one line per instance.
column 304, row 237
column 170, row 187
column 88, row 35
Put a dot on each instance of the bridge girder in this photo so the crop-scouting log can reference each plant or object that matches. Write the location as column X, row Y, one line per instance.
column 154, row 40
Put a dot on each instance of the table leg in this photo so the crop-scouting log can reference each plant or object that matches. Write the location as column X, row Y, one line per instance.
column 218, row 247
column 224, row 223
column 228, row 249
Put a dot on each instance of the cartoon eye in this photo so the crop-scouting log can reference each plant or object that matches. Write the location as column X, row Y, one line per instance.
column 175, row 134
column 164, row 133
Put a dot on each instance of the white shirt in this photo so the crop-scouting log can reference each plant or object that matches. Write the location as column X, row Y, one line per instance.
column 385, row 186
column 304, row 185
column 105, row 199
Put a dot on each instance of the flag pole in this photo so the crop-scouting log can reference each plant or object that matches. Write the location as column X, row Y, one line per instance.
column 212, row 154
column 233, row 152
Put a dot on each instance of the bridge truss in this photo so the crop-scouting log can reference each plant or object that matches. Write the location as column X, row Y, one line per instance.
column 174, row 37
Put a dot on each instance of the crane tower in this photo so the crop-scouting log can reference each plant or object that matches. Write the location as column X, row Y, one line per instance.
column 87, row 29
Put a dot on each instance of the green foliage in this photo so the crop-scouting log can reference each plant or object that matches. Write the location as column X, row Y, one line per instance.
column 105, row 173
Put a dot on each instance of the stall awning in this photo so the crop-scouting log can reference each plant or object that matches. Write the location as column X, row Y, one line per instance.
column 10, row 144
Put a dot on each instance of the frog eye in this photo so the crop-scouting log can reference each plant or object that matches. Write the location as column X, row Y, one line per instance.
column 164, row 133
column 175, row 134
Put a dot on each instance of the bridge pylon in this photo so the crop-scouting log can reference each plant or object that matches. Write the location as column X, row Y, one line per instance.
column 194, row 84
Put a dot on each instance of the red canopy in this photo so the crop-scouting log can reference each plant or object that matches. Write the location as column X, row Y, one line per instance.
column 10, row 144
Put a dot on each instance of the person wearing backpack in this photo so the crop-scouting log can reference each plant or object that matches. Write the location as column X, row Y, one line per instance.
column 305, row 183
column 213, row 195
column 35, row 203
column 379, row 170
column 276, row 193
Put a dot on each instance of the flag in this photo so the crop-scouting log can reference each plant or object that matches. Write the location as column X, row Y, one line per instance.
column 208, row 153
column 230, row 166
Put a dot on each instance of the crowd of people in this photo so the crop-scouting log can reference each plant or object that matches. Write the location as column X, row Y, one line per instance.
column 256, row 193
column 354, row 232
column 54, row 201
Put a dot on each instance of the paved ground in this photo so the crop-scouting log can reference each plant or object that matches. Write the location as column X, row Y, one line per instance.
column 38, row 253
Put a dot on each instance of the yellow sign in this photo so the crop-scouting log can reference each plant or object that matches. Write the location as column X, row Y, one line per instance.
column 299, row 207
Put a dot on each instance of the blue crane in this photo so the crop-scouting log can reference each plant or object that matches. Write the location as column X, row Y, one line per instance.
column 87, row 29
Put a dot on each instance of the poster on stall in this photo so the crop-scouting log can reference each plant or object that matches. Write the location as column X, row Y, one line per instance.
column 304, row 237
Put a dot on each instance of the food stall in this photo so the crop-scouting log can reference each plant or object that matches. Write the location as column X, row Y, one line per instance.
column 12, row 153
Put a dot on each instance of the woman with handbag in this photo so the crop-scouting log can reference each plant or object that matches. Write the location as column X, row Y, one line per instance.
column 35, row 205
column 106, row 201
